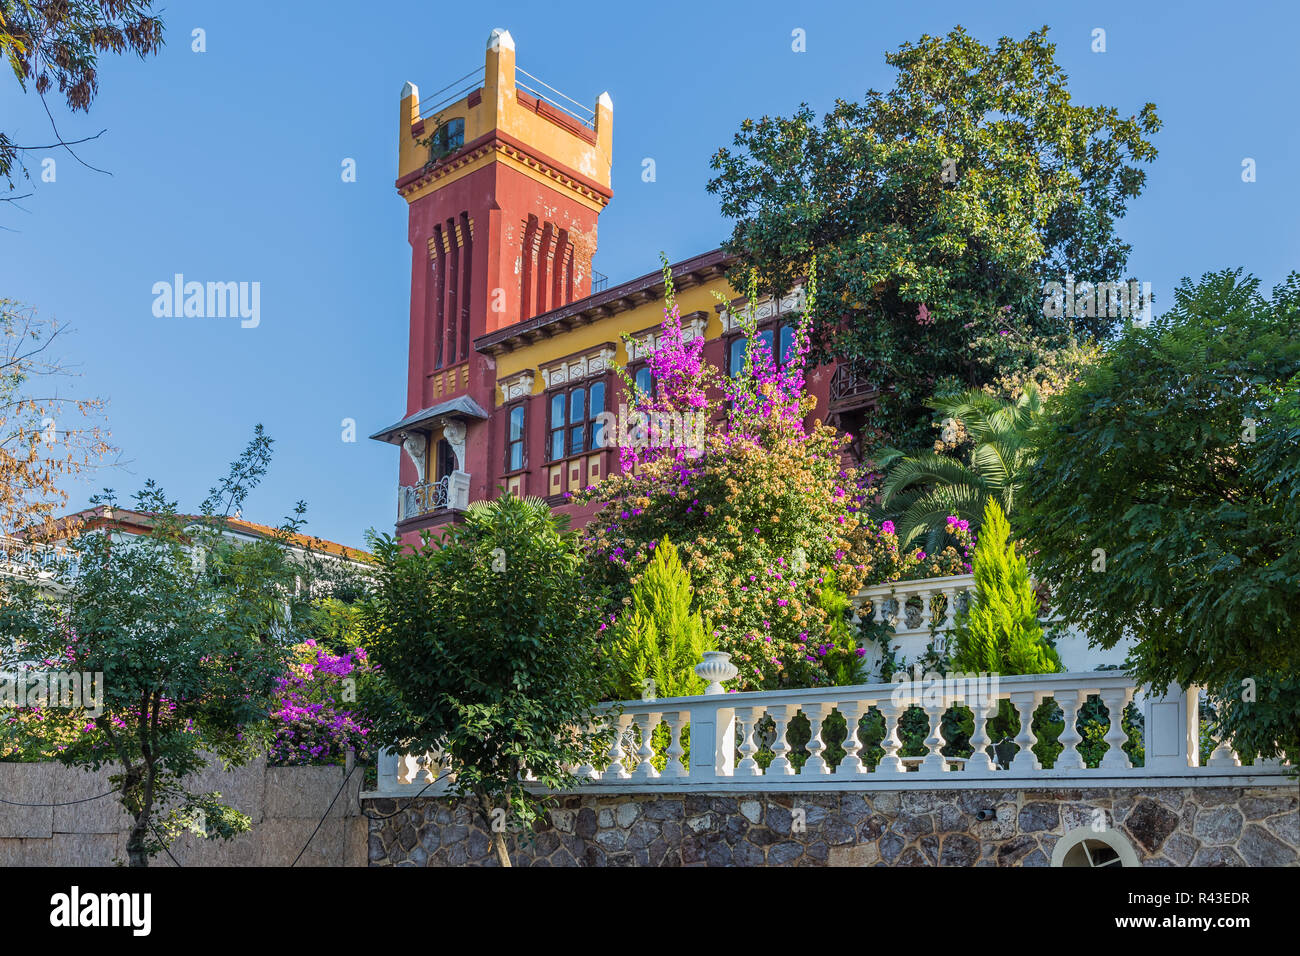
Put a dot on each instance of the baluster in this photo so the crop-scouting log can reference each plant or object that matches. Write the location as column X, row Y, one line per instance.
column 1025, row 761
column 1116, row 699
column 748, row 717
column 949, row 608
column 934, row 762
column 816, row 713
column 425, row 773
column 890, row 763
column 645, row 770
column 878, row 610
column 404, row 768
column 983, row 706
column 585, row 771
column 852, row 763
column 1070, row 758
column 927, row 610
column 1223, row 756
column 780, row 764
column 674, row 769
column 615, row 769
column 903, row 617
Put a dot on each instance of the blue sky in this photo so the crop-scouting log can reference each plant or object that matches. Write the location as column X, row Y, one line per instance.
column 226, row 166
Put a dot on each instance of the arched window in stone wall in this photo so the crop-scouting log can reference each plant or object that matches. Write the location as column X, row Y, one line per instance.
column 1084, row 846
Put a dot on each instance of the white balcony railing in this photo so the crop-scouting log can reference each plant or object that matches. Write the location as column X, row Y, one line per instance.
column 728, row 732
column 923, row 612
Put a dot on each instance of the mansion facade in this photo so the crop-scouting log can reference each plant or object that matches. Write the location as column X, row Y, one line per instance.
column 513, row 336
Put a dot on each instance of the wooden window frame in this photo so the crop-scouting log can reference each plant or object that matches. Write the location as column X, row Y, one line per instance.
column 522, row 405
column 774, row 325
column 589, row 422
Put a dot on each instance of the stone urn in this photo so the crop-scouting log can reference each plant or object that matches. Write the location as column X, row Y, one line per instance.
column 715, row 668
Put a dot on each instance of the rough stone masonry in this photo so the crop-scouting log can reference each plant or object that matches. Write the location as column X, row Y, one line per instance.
column 1173, row 826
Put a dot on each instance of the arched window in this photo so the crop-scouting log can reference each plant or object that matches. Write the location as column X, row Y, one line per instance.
column 1085, row 846
column 446, row 139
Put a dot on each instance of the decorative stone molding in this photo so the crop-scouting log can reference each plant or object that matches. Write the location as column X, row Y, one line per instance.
column 518, row 385
column 640, row 346
column 767, row 309
column 578, row 367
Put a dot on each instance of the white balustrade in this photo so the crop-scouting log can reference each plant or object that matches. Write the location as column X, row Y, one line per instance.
column 718, row 725
column 924, row 612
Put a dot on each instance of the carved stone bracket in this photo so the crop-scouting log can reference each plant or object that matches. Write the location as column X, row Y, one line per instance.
column 416, row 445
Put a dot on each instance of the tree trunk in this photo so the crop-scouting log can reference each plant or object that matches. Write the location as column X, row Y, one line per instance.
column 135, row 852
column 137, row 798
column 499, row 844
column 497, row 836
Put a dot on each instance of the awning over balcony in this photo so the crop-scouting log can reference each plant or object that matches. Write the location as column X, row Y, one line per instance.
column 460, row 407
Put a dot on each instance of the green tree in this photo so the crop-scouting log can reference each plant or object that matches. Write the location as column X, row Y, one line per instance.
column 924, row 490
column 188, row 628
column 1163, row 503
column 660, row 640
column 487, row 652
column 998, row 631
column 58, row 43
column 937, row 211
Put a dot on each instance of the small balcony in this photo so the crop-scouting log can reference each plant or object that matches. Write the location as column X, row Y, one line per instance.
column 850, row 389
column 448, row 493
column 423, row 498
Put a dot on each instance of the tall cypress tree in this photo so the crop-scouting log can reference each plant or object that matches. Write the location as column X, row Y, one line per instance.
column 660, row 639
column 999, row 631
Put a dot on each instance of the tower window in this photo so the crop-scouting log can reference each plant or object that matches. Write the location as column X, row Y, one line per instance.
column 515, row 440
column 446, row 139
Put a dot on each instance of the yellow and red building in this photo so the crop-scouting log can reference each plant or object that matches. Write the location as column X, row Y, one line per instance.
column 513, row 338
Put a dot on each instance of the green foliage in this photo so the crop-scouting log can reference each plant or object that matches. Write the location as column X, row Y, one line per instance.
column 843, row 661
column 658, row 643
column 58, row 44
column 486, row 649
column 1155, row 514
column 998, row 632
column 188, row 627
column 937, row 211
column 925, row 489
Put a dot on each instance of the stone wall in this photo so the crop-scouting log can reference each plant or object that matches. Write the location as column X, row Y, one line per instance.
column 1196, row 826
column 285, row 804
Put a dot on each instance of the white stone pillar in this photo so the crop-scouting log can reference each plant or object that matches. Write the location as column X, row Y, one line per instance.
column 1170, row 729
